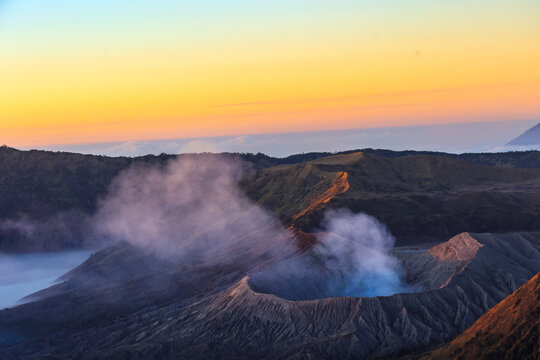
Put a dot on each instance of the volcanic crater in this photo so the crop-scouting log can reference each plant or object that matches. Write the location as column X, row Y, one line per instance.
column 315, row 275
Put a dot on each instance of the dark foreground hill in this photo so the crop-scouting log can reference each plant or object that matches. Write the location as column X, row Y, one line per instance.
column 421, row 196
column 114, row 307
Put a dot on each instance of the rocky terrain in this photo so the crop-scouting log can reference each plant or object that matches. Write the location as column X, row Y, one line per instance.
column 235, row 317
column 254, row 271
column 510, row 330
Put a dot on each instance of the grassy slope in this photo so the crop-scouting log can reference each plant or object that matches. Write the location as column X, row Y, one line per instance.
column 39, row 183
column 415, row 195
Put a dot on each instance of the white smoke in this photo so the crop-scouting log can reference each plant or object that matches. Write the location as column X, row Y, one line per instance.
column 23, row 226
column 192, row 207
column 352, row 258
column 65, row 230
column 357, row 246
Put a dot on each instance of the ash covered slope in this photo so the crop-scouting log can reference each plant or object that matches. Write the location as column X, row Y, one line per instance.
column 529, row 137
column 241, row 322
column 510, row 330
column 479, row 271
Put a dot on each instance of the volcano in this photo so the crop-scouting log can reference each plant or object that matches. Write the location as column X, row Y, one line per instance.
column 264, row 314
column 236, row 287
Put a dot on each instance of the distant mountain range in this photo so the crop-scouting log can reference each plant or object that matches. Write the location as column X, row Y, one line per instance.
column 529, row 137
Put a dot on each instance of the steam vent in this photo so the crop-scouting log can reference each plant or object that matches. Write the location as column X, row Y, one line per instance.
column 315, row 275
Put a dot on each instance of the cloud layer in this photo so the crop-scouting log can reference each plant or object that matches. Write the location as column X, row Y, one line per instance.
column 455, row 138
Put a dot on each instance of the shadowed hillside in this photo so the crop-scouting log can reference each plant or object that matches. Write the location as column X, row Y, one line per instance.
column 419, row 197
column 422, row 196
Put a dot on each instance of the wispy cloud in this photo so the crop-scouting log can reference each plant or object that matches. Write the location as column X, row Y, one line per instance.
column 369, row 96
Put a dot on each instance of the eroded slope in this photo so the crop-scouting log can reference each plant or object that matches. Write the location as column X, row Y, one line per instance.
column 511, row 330
column 241, row 323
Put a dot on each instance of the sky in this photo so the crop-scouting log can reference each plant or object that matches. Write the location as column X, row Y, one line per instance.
column 80, row 72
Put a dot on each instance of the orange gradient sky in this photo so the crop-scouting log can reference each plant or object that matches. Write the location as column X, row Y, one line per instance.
column 74, row 73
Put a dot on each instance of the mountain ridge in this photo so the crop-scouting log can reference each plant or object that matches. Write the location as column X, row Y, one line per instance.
column 529, row 137
column 440, row 195
column 510, row 330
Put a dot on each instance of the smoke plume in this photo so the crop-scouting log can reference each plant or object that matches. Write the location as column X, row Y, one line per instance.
column 65, row 230
column 358, row 247
column 191, row 210
column 192, row 207
column 352, row 259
